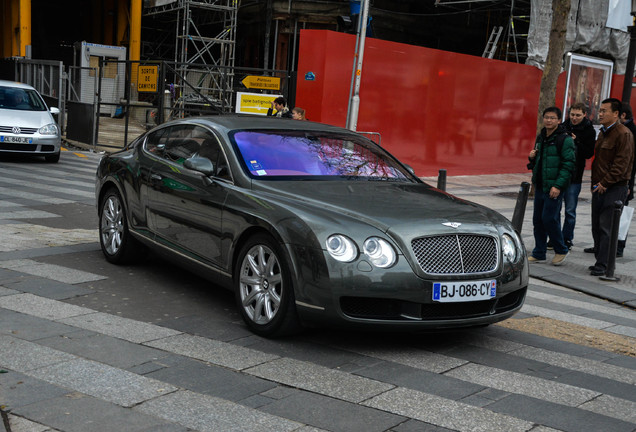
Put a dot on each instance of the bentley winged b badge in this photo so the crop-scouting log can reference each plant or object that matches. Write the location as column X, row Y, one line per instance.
column 451, row 224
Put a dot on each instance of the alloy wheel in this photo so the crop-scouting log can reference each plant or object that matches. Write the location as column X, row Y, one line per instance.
column 261, row 284
column 112, row 225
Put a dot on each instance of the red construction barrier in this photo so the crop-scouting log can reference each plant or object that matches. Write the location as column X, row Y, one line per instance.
column 434, row 109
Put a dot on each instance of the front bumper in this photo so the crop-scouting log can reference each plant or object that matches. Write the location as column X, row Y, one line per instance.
column 359, row 295
column 40, row 145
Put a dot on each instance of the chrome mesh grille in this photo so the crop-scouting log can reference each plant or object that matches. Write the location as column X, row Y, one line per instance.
column 456, row 254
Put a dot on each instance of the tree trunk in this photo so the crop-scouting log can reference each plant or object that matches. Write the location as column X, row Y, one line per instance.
column 554, row 61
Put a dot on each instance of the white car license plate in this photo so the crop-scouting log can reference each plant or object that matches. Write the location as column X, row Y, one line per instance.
column 464, row 291
column 19, row 140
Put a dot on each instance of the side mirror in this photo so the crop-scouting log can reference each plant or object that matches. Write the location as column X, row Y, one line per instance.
column 54, row 110
column 410, row 169
column 200, row 164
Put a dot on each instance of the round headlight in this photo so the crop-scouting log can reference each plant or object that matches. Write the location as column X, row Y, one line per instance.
column 342, row 248
column 509, row 247
column 49, row 129
column 380, row 252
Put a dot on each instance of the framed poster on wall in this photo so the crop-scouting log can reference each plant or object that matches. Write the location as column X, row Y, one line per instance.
column 588, row 80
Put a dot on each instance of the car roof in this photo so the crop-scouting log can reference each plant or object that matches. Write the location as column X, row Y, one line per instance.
column 15, row 84
column 246, row 121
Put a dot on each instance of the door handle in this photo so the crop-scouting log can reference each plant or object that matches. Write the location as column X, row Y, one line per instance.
column 156, row 181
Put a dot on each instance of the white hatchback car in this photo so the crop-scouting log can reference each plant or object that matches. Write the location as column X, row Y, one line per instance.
column 26, row 123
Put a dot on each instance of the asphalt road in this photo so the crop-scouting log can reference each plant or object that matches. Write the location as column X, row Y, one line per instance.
column 89, row 346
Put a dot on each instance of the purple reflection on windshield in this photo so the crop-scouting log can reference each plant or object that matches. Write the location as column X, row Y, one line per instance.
column 303, row 154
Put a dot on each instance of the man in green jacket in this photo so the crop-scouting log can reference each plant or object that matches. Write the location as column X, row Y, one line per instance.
column 552, row 162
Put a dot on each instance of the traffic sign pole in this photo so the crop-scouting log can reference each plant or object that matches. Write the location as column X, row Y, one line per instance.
column 354, row 102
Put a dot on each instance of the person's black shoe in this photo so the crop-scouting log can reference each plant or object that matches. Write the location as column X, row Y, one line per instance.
column 569, row 244
column 550, row 245
column 593, row 267
column 589, row 250
column 598, row 272
column 619, row 254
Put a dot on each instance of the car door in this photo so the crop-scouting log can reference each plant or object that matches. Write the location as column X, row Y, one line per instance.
column 148, row 155
column 186, row 207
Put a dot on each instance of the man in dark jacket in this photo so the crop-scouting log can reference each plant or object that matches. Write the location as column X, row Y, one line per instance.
column 583, row 133
column 280, row 105
column 552, row 162
column 627, row 118
column 611, row 171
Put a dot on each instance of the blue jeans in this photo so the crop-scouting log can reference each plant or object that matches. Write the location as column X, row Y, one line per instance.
column 570, row 199
column 546, row 219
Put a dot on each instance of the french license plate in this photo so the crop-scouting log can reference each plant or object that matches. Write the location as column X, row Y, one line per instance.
column 447, row 292
column 19, row 140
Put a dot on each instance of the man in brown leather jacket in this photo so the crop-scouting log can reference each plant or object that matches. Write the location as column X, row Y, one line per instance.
column 611, row 171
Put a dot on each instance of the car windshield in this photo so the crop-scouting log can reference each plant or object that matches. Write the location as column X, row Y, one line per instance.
column 315, row 155
column 15, row 98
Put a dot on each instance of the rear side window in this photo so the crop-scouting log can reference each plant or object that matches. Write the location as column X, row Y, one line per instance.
column 175, row 143
column 178, row 143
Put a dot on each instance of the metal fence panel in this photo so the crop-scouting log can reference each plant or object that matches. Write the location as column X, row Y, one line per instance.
column 48, row 78
column 126, row 98
column 81, row 102
column 81, row 124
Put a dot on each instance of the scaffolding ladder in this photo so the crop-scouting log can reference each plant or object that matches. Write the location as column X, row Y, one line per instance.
column 491, row 46
column 514, row 38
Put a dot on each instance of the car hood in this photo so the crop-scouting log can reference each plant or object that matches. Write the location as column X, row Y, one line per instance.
column 405, row 209
column 31, row 119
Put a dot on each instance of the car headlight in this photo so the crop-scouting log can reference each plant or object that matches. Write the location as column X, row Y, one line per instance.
column 380, row 252
column 342, row 248
column 509, row 247
column 49, row 129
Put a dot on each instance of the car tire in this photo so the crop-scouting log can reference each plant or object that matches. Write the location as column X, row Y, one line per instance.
column 263, row 288
column 54, row 158
column 118, row 245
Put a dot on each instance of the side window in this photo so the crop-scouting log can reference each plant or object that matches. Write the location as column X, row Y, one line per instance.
column 176, row 143
column 211, row 149
column 156, row 141
column 183, row 142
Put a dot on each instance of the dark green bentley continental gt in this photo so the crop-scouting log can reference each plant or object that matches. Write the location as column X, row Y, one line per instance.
column 308, row 224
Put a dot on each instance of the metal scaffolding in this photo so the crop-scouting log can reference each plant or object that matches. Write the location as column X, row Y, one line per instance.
column 515, row 39
column 204, row 48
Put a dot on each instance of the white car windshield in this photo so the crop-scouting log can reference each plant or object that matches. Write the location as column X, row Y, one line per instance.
column 15, row 98
column 309, row 154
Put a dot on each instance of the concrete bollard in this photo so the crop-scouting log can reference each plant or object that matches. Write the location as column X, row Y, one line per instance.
column 520, row 207
column 611, row 260
column 441, row 180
